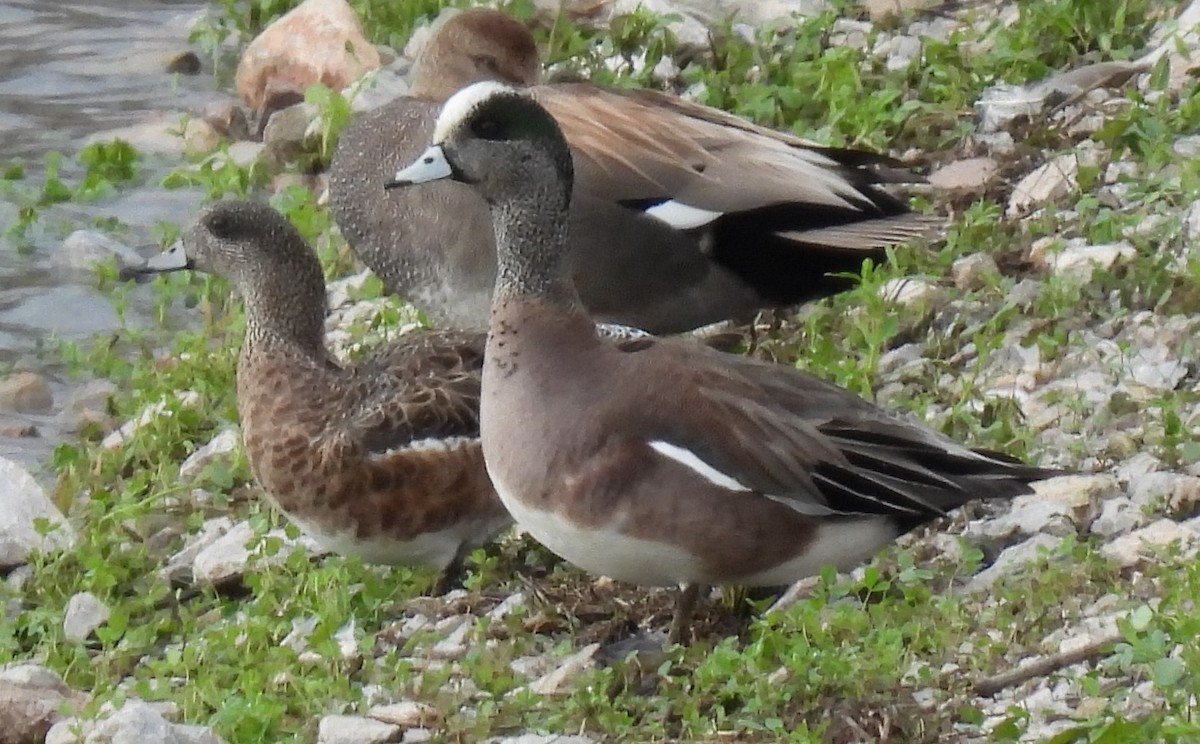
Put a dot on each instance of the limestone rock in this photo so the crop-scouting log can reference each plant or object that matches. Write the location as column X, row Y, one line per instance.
column 1012, row 559
column 23, row 504
column 138, row 721
column 1173, row 492
column 200, row 137
column 318, row 41
column 87, row 404
column 227, row 557
column 31, row 697
column 969, row 271
column 26, row 392
column 406, row 714
column 1118, row 516
column 83, row 250
column 558, row 680
column 185, row 399
column 1058, row 506
column 1050, row 181
column 1080, row 259
column 1140, row 546
column 220, row 446
column 178, row 569
column 356, row 730
column 286, row 132
column 158, row 134
column 910, row 291
column 965, row 176
column 85, row 612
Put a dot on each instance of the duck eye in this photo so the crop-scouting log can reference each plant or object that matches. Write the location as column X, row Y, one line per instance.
column 486, row 128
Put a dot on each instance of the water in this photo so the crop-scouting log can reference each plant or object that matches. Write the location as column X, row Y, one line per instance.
column 69, row 70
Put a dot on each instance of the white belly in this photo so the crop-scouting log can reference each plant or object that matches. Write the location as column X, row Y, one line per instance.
column 604, row 551
column 608, row 552
column 435, row 549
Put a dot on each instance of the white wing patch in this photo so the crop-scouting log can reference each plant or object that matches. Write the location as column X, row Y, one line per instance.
column 686, row 457
column 461, row 105
column 445, row 444
column 682, row 216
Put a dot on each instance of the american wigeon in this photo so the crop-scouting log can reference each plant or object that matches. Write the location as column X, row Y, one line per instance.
column 378, row 459
column 674, row 464
column 683, row 215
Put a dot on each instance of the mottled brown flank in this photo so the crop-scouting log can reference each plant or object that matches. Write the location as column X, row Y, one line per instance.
column 329, row 444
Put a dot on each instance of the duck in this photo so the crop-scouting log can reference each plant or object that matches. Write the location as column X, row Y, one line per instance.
column 670, row 464
column 378, row 459
column 684, row 215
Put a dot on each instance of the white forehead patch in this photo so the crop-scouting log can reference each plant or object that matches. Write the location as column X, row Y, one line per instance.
column 460, row 106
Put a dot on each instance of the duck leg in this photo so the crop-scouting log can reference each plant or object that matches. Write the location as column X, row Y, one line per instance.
column 451, row 576
column 685, row 607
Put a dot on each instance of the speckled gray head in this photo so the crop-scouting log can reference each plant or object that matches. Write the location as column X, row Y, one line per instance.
column 471, row 125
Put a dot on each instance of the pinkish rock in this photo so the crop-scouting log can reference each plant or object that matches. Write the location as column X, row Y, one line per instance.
column 319, row 41
column 970, row 175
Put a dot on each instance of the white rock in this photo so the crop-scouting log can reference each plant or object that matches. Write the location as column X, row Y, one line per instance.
column 1140, row 546
column 505, row 608
column 1118, row 516
column 158, row 134
column 340, row 291
column 200, row 137
column 1002, row 104
column 347, row 640
column 23, row 504
column 375, row 89
column 179, row 567
column 139, row 723
column 1081, row 260
column 690, row 32
column 1136, row 467
column 1156, row 490
column 244, row 153
column 454, row 645
column 902, row 51
column 908, row 291
column 87, row 404
column 1158, row 368
column 1050, row 181
column 85, row 612
column 302, row 629
column 1058, row 506
column 223, row 444
column 184, row 399
column 970, row 175
column 1012, row 559
column 26, row 392
column 557, row 681
column 83, row 250
column 755, row 13
column 970, row 271
column 286, row 132
column 406, row 714
column 226, row 557
column 34, row 677
column 355, row 730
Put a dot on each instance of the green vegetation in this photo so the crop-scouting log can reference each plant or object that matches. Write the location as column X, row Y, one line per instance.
column 894, row 649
